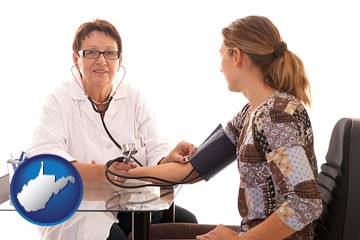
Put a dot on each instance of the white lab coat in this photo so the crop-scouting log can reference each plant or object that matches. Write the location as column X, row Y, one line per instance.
column 70, row 128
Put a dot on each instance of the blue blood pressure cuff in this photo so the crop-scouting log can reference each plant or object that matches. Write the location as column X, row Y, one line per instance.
column 214, row 154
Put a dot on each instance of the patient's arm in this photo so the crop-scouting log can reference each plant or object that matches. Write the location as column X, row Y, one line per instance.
column 174, row 172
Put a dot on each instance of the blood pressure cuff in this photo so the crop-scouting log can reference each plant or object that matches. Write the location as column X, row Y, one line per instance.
column 214, row 154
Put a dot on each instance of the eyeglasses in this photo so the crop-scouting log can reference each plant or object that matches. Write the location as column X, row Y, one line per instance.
column 94, row 54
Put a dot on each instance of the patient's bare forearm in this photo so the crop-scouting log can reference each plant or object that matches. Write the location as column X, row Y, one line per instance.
column 90, row 172
column 174, row 172
column 272, row 228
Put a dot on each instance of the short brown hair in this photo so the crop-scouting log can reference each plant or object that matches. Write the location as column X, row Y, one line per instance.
column 97, row 25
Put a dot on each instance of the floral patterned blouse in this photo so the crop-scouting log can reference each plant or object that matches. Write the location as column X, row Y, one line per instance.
column 277, row 164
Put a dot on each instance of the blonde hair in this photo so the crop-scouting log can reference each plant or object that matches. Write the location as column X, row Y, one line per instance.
column 259, row 38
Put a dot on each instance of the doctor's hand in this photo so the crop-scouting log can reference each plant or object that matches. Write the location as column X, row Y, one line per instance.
column 180, row 153
column 120, row 168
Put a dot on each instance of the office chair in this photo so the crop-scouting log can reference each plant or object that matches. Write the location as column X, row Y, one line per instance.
column 339, row 183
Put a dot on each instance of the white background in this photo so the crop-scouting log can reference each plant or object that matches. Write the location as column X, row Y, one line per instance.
column 171, row 51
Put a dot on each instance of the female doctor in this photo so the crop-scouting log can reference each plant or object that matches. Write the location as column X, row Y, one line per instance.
column 73, row 124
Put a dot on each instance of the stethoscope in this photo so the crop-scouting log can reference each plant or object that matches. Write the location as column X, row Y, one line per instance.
column 106, row 104
column 93, row 102
column 127, row 157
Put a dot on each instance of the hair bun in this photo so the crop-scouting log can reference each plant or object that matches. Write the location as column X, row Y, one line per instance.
column 280, row 48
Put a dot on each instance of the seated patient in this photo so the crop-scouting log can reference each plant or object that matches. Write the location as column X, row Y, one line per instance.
column 271, row 138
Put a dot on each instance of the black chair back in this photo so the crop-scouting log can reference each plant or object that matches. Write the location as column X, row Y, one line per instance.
column 339, row 183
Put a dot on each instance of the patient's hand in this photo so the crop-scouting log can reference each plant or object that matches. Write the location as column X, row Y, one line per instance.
column 220, row 233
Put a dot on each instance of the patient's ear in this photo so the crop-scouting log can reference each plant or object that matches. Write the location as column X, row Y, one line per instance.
column 238, row 55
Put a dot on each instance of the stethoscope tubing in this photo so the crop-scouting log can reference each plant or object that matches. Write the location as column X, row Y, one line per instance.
column 121, row 159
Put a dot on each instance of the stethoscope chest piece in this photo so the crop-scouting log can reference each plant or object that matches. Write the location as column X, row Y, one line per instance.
column 129, row 148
